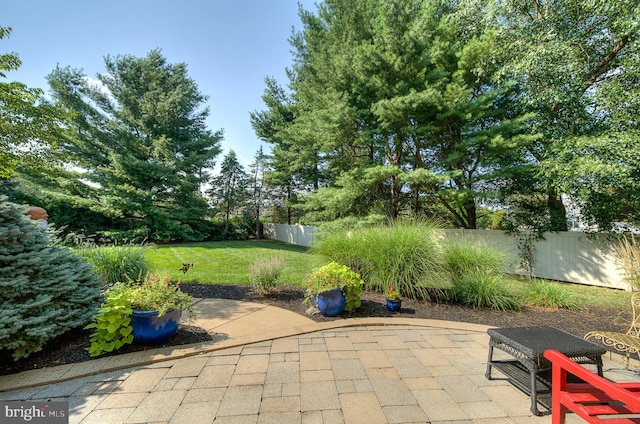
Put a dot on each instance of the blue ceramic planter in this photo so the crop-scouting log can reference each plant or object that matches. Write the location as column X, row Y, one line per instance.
column 394, row 305
column 149, row 329
column 331, row 302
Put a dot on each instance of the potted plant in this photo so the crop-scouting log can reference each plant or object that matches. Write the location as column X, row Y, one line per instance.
column 394, row 300
column 327, row 286
column 146, row 312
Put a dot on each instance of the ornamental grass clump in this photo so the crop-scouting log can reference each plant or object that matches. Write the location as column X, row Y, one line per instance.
column 550, row 295
column 116, row 263
column 480, row 289
column 265, row 273
column 404, row 253
column 463, row 256
column 628, row 252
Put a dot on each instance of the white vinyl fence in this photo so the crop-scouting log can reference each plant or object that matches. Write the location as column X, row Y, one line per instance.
column 301, row 235
column 567, row 256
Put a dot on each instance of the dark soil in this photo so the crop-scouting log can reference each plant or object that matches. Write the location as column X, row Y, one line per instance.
column 70, row 347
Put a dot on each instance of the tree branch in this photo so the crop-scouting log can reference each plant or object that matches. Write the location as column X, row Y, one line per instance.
column 600, row 68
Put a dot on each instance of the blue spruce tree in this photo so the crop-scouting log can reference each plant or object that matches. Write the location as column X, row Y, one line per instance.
column 45, row 290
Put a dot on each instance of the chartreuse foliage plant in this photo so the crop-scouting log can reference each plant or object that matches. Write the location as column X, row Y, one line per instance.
column 45, row 290
column 112, row 323
column 405, row 254
column 335, row 276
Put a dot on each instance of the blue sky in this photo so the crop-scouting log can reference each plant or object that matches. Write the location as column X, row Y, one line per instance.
column 230, row 46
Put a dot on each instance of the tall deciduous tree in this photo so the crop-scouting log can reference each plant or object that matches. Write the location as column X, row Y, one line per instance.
column 578, row 69
column 29, row 126
column 140, row 137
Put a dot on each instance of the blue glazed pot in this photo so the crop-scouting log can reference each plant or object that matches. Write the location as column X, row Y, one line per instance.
column 394, row 305
column 331, row 302
column 149, row 329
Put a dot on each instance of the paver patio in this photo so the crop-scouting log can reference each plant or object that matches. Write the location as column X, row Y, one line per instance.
column 355, row 371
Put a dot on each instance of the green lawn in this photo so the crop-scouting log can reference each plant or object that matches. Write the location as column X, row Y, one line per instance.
column 228, row 262
column 586, row 295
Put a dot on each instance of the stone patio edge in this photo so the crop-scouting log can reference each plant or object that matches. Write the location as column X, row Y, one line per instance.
column 62, row 373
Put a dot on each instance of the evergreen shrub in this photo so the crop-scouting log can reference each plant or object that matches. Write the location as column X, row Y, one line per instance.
column 45, row 290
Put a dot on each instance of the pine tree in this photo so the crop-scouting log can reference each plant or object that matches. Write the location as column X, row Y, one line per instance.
column 229, row 189
column 44, row 290
column 257, row 189
column 141, row 139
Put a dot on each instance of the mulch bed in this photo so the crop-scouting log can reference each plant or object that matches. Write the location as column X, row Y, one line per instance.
column 70, row 347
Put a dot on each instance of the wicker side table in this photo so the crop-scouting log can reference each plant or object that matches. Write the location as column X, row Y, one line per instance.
column 530, row 371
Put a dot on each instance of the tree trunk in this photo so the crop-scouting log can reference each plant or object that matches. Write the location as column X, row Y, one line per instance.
column 226, row 223
column 257, row 222
column 471, row 213
column 395, row 197
column 557, row 211
column 287, row 204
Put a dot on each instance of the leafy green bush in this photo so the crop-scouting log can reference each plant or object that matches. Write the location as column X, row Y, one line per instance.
column 45, row 290
column 405, row 254
column 334, row 276
column 265, row 273
column 116, row 263
column 484, row 289
column 463, row 256
column 549, row 295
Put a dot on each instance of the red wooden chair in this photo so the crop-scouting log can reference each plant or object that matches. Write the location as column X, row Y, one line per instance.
column 597, row 400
